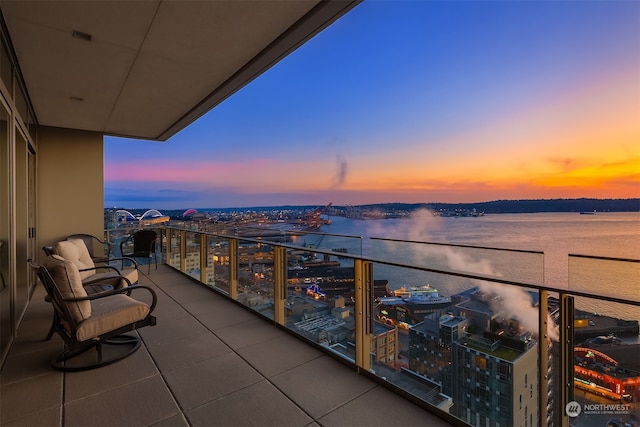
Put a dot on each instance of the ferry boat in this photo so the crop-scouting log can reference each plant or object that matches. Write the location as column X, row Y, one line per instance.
column 412, row 291
column 408, row 305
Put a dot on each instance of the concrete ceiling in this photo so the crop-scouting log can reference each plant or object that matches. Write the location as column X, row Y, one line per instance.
column 146, row 69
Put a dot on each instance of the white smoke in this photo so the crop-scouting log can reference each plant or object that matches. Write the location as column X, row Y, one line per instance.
column 417, row 227
column 340, row 176
column 514, row 302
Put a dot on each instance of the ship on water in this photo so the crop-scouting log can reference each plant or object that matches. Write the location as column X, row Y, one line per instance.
column 408, row 305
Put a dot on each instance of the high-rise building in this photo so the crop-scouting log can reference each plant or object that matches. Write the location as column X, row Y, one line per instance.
column 384, row 343
column 491, row 375
column 430, row 347
column 495, row 383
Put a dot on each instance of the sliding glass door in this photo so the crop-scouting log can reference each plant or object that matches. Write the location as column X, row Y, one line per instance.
column 6, row 317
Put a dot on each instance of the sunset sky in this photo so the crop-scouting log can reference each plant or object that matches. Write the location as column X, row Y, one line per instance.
column 415, row 101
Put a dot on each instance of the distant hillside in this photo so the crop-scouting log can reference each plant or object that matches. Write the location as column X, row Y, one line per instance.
column 493, row 207
column 522, row 206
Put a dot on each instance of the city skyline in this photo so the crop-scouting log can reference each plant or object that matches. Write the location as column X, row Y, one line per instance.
column 415, row 102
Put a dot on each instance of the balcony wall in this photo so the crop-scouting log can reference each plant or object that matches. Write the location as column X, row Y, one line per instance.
column 70, row 184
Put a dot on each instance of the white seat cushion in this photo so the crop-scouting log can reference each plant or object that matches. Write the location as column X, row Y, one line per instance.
column 67, row 279
column 76, row 251
column 110, row 313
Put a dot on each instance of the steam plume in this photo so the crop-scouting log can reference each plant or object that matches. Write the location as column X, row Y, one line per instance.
column 341, row 174
column 515, row 302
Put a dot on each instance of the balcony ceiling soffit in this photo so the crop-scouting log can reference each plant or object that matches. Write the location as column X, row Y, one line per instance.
column 151, row 67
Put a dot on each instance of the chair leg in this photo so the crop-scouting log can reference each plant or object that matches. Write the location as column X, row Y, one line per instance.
column 107, row 352
column 51, row 330
column 99, row 350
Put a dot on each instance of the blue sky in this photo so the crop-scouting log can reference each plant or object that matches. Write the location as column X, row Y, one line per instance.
column 416, row 101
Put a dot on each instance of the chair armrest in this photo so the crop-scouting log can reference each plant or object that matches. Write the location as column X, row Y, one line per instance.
column 124, row 242
column 101, row 267
column 125, row 258
column 109, row 246
column 107, row 281
column 127, row 290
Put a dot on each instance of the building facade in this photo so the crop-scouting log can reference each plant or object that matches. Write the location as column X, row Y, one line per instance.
column 495, row 384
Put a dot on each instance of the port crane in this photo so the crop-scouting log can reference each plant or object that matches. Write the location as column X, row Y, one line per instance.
column 313, row 220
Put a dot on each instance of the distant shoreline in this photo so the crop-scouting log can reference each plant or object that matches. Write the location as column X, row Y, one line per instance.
column 521, row 206
column 491, row 207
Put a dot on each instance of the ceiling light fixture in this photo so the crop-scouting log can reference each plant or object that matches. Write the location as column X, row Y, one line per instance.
column 80, row 35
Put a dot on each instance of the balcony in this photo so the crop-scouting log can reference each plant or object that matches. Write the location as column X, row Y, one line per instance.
column 239, row 342
column 207, row 361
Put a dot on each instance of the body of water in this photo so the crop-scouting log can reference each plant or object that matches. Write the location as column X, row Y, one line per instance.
column 540, row 246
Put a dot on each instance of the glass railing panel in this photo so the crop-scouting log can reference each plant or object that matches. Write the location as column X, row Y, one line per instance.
column 110, row 239
column 256, row 276
column 252, row 231
column 613, row 277
column 463, row 337
column 174, row 248
column 159, row 245
column 124, row 242
column 340, row 244
column 314, row 262
column 512, row 264
column 607, row 344
column 463, row 348
column 606, row 366
column 284, row 234
column 192, row 255
column 115, row 237
column 218, row 263
column 320, row 307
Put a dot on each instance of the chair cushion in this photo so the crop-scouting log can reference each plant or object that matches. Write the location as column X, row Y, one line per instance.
column 110, row 313
column 67, row 278
column 76, row 251
column 131, row 274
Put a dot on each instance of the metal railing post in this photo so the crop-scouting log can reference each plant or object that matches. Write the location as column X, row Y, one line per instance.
column 543, row 356
column 183, row 251
column 566, row 355
column 204, row 257
column 363, row 271
column 280, row 283
column 167, row 245
column 234, row 267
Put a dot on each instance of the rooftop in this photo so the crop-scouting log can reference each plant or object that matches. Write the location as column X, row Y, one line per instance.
column 207, row 361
